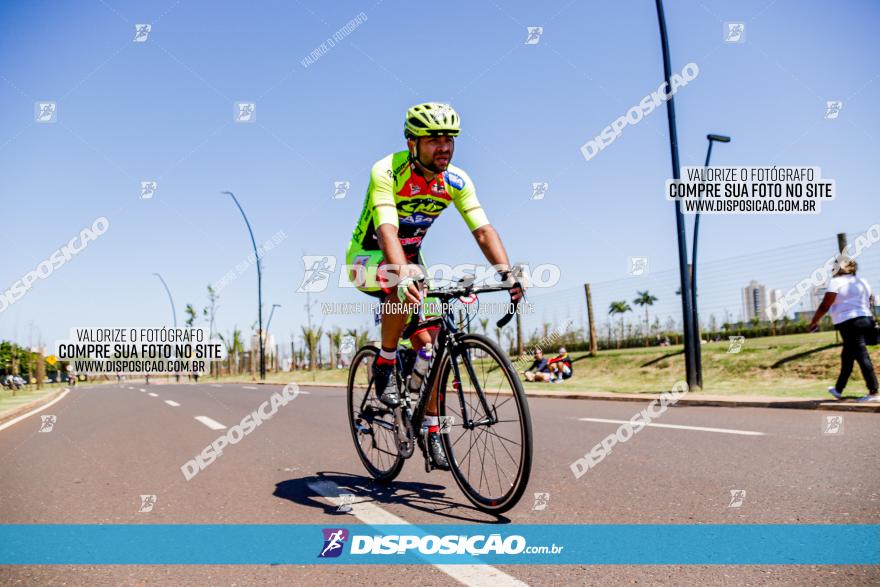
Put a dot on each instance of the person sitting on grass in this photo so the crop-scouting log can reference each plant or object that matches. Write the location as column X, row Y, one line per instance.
column 560, row 366
column 539, row 371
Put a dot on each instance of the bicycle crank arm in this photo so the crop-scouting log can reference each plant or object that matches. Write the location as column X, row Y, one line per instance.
column 405, row 444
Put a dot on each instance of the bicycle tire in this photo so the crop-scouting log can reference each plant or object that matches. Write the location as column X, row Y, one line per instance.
column 379, row 472
column 500, row 503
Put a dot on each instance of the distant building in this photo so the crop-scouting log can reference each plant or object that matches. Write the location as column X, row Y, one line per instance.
column 754, row 297
column 269, row 345
column 757, row 299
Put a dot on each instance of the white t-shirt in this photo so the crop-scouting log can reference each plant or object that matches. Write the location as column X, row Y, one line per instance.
column 852, row 298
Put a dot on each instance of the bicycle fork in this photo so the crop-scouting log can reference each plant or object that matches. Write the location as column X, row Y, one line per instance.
column 491, row 414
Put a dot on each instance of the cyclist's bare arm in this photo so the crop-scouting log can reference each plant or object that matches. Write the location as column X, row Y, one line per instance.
column 394, row 255
column 493, row 249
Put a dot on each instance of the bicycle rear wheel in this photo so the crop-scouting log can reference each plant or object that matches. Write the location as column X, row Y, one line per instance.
column 372, row 424
column 490, row 463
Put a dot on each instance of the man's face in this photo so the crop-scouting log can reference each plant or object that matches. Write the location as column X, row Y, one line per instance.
column 435, row 153
column 539, row 355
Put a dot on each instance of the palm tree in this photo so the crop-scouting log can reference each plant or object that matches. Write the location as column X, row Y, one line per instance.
column 234, row 345
column 312, row 338
column 645, row 299
column 619, row 307
column 484, row 325
column 361, row 338
column 335, row 337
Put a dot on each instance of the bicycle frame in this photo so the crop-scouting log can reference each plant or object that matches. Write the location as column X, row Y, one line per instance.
column 447, row 340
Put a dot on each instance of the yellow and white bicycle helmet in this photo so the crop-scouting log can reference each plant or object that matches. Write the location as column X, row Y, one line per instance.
column 431, row 118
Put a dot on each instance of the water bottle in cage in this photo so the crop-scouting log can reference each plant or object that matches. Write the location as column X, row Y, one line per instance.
column 420, row 368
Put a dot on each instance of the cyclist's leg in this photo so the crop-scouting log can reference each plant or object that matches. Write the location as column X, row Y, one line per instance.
column 364, row 271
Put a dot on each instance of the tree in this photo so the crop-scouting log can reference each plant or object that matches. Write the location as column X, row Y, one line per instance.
column 619, row 307
column 334, row 338
column 484, row 326
column 234, row 345
column 190, row 315
column 361, row 337
column 312, row 337
column 510, row 342
column 210, row 313
column 645, row 299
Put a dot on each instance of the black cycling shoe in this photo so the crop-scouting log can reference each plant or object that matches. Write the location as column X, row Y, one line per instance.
column 435, row 449
column 385, row 384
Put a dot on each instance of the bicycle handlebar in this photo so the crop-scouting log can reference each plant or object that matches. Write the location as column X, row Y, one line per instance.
column 468, row 288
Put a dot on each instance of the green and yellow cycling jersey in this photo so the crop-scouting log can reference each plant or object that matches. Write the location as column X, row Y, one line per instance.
column 399, row 196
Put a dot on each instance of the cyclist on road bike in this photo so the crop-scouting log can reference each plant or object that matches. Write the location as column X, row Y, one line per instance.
column 407, row 192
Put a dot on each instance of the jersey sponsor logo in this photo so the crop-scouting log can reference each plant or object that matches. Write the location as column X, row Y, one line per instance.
column 414, row 189
column 414, row 240
column 400, row 167
column 454, row 180
column 417, row 220
column 422, row 205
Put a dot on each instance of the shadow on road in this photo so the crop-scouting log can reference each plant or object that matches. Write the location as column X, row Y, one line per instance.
column 429, row 498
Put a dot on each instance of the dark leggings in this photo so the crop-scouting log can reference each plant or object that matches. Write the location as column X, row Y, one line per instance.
column 853, row 333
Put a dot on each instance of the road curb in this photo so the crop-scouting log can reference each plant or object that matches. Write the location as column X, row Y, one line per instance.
column 16, row 412
column 696, row 401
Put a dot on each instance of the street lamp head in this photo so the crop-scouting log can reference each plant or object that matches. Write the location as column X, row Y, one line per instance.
column 719, row 138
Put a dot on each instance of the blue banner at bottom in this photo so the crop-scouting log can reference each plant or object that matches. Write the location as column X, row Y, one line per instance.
column 649, row 544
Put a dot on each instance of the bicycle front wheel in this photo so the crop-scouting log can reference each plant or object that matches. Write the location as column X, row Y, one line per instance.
column 490, row 462
column 373, row 428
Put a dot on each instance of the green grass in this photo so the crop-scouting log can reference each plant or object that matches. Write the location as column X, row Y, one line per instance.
column 27, row 394
column 795, row 365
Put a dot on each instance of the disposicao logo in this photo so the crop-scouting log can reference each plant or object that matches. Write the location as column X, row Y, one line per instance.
column 334, row 540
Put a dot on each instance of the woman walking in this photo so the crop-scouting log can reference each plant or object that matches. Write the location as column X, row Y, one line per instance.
column 850, row 302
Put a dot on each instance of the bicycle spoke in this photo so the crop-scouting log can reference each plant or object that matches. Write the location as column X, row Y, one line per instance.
column 502, row 437
column 497, row 469
column 484, row 379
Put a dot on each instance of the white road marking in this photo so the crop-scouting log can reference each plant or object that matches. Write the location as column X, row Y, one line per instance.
column 371, row 514
column 679, row 427
column 142, row 389
column 212, row 424
column 216, row 385
column 172, row 404
column 151, row 394
column 32, row 412
column 249, row 387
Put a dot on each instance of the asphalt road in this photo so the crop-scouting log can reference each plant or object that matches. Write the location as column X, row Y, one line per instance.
column 109, row 445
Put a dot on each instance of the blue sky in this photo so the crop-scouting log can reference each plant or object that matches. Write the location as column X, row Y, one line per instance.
column 163, row 110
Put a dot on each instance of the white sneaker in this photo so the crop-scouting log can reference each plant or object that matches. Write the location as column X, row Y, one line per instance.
column 834, row 392
column 871, row 397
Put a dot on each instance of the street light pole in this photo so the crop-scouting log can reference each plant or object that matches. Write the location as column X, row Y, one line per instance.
column 174, row 315
column 268, row 322
column 259, row 288
column 712, row 139
column 170, row 299
column 686, row 298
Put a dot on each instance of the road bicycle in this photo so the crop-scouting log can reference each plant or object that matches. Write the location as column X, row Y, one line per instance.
column 486, row 429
